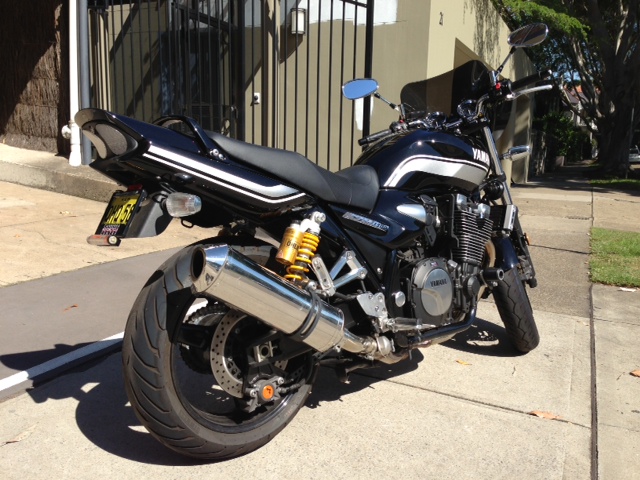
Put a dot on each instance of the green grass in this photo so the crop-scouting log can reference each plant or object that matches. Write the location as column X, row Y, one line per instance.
column 615, row 257
column 628, row 184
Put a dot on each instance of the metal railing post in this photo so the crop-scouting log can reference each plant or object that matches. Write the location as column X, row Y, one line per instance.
column 368, row 66
column 84, row 64
column 72, row 131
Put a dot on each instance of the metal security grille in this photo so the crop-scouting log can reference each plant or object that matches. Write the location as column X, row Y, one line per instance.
column 265, row 71
column 152, row 58
column 309, row 113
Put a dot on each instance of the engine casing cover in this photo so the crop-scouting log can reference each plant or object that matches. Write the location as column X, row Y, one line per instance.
column 432, row 291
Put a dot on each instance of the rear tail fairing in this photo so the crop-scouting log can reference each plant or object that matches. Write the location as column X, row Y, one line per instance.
column 421, row 159
column 133, row 152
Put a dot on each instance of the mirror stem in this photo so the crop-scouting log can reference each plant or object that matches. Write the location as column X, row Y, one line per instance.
column 399, row 108
column 499, row 70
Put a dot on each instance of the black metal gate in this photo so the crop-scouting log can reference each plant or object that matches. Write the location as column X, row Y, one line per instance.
column 265, row 71
column 152, row 58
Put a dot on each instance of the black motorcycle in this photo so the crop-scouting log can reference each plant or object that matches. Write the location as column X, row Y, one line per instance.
column 350, row 269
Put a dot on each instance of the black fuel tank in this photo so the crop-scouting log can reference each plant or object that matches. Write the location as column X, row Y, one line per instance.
column 422, row 159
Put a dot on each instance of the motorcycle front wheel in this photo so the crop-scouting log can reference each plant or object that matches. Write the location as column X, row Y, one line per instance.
column 172, row 345
column 516, row 313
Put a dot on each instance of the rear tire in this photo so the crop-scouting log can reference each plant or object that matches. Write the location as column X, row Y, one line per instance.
column 516, row 313
column 178, row 405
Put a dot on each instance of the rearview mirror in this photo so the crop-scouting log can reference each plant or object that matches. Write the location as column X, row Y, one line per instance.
column 529, row 35
column 359, row 88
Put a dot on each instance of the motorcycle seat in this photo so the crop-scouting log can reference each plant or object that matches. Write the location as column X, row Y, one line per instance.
column 355, row 186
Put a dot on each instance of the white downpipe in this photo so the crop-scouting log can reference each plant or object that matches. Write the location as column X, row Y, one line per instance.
column 75, row 158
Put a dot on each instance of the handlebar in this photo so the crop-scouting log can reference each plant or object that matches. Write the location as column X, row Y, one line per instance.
column 374, row 137
column 536, row 77
column 507, row 91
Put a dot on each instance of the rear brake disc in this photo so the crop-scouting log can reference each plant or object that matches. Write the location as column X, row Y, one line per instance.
column 227, row 373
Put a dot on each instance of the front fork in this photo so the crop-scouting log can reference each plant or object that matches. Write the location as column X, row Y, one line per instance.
column 513, row 249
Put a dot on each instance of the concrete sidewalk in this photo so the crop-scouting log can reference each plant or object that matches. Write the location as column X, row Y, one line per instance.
column 51, row 172
column 43, row 233
column 458, row 410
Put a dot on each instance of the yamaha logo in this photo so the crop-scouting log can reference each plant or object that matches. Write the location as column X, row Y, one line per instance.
column 439, row 283
column 481, row 156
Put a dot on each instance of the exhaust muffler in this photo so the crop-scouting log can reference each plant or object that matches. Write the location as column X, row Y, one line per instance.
column 221, row 273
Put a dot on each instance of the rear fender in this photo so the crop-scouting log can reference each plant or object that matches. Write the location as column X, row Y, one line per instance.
column 151, row 219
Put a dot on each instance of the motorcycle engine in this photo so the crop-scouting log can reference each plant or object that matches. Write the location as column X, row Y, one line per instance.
column 443, row 288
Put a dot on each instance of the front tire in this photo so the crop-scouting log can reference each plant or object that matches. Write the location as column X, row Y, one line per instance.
column 190, row 411
column 516, row 313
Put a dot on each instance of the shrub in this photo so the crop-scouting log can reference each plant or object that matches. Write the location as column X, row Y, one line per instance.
column 564, row 138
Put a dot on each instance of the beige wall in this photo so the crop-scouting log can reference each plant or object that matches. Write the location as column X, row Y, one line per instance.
column 303, row 114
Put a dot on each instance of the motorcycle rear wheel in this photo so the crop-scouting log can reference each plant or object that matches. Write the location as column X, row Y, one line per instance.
column 183, row 408
column 516, row 313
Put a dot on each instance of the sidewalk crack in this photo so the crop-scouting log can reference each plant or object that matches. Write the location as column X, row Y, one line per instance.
column 468, row 400
column 594, row 387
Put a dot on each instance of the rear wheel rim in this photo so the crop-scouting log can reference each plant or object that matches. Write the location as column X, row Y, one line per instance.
column 210, row 404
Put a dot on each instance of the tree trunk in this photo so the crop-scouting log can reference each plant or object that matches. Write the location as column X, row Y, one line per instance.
column 615, row 140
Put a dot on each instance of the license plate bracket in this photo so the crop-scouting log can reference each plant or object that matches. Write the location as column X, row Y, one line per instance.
column 119, row 213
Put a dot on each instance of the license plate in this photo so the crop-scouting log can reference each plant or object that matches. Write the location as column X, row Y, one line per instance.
column 119, row 213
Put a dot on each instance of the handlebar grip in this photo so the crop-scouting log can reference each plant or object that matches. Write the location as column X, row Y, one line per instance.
column 536, row 77
column 373, row 137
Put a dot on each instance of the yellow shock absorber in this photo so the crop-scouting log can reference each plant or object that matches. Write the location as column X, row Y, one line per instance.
column 297, row 271
column 298, row 246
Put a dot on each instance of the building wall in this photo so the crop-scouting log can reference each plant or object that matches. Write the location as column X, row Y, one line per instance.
column 127, row 35
column 313, row 117
column 305, row 111
column 430, row 38
column 34, row 81
column 433, row 37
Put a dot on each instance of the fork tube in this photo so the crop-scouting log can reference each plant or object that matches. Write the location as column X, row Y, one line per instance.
column 497, row 166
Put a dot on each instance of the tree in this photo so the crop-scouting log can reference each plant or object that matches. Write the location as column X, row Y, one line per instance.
column 594, row 44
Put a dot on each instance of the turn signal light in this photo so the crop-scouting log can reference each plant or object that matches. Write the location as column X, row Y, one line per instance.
column 182, row 204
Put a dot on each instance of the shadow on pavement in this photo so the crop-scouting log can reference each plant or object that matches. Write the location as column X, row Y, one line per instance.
column 483, row 338
column 329, row 389
column 575, row 178
column 105, row 417
column 26, row 360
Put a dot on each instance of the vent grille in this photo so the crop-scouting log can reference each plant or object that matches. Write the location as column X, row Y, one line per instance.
column 473, row 233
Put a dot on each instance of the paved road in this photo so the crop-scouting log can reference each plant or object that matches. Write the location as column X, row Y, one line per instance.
column 458, row 410
column 56, row 315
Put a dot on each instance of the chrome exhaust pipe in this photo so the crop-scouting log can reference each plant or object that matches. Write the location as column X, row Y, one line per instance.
column 221, row 273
